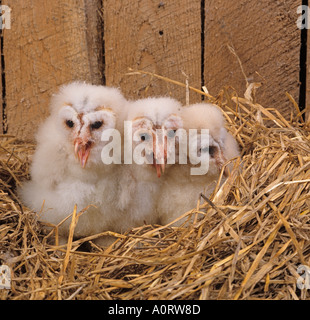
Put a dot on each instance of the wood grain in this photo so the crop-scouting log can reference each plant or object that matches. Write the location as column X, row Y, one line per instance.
column 94, row 40
column 55, row 42
column 45, row 48
column 163, row 37
column 308, row 79
column 2, row 102
column 266, row 39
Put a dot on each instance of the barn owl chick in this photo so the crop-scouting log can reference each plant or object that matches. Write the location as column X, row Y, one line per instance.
column 185, row 182
column 151, row 121
column 67, row 168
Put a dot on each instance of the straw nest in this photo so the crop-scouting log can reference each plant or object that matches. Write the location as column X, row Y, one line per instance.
column 254, row 234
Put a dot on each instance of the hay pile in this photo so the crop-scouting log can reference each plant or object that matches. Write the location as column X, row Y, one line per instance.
column 254, row 234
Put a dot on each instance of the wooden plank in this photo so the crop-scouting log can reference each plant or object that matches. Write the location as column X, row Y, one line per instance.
column 4, row 16
column 94, row 38
column 308, row 78
column 163, row 37
column 46, row 47
column 2, row 102
column 266, row 39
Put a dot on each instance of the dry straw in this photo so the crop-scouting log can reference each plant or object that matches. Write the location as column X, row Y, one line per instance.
column 254, row 234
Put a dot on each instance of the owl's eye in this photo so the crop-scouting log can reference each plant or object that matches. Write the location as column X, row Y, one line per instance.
column 145, row 137
column 210, row 149
column 171, row 133
column 69, row 123
column 96, row 125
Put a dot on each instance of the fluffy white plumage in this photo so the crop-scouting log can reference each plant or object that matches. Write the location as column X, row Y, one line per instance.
column 67, row 168
column 151, row 120
column 181, row 190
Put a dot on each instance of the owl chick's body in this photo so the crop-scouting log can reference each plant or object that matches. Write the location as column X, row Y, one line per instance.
column 67, row 169
column 150, row 119
column 181, row 189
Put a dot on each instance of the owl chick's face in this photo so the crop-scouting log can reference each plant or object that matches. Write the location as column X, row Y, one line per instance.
column 211, row 135
column 82, row 113
column 208, row 150
column 154, row 123
column 155, row 139
column 84, row 130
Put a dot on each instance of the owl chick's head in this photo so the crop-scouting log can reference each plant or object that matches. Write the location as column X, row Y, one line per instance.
column 82, row 112
column 154, row 121
column 215, row 142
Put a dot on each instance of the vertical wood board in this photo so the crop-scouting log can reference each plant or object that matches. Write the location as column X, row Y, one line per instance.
column 265, row 37
column 163, row 37
column 2, row 102
column 308, row 78
column 45, row 48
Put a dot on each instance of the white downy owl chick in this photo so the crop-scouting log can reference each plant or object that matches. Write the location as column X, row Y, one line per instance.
column 150, row 122
column 67, row 168
column 208, row 150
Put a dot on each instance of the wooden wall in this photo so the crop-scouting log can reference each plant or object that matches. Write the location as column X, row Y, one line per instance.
column 45, row 47
column 158, row 36
column 265, row 37
column 308, row 78
column 54, row 42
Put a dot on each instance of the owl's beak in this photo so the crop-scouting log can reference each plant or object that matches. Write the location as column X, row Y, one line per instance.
column 220, row 161
column 160, row 168
column 160, row 155
column 227, row 170
column 82, row 150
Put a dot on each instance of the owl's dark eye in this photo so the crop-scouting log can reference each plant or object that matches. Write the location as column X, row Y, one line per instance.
column 96, row 125
column 145, row 137
column 171, row 133
column 69, row 123
column 210, row 149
